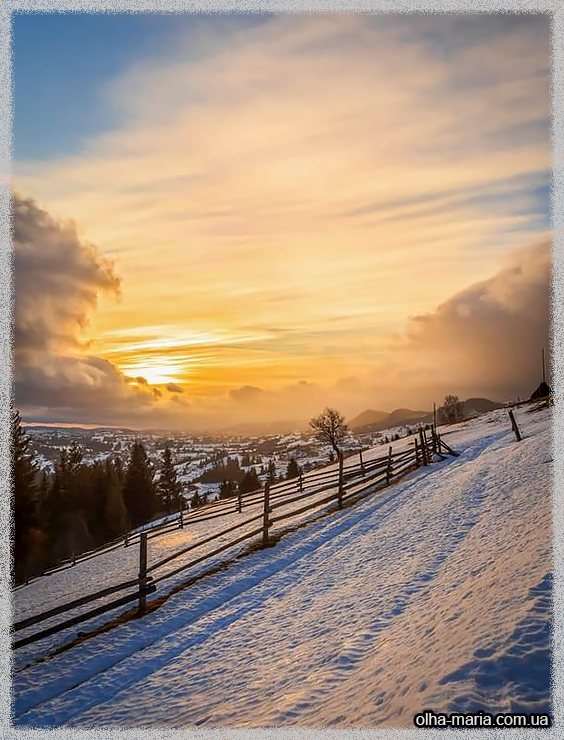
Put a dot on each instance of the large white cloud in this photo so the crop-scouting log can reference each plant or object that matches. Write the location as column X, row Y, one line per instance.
column 58, row 278
column 485, row 340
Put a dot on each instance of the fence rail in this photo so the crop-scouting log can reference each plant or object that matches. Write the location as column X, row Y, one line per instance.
column 349, row 484
column 210, row 511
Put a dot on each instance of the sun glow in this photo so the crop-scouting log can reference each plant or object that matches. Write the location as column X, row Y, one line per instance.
column 157, row 370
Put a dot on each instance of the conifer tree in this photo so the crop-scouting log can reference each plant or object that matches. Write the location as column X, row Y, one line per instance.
column 72, row 503
column 271, row 472
column 118, row 467
column 169, row 487
column 293, row 469
column 116, row 519
column 250, row 482
column 227, row 489
column 139, row 493
column 24, row 501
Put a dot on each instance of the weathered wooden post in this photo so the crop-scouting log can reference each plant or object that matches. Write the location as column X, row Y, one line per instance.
column 416, row 452
column 389, row 471
column 73, row 558
column 266, row 511
column 361, row 464
column 239, row 502
column 434, row 440
column 142, row 574
column 125, row 542
column 423, row 447
column 181, row 519
column 428, row 447
column 301, row 482
column 514, row 425
column 340, row 494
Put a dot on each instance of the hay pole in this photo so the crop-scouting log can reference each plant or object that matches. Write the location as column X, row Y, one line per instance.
column 514, row 425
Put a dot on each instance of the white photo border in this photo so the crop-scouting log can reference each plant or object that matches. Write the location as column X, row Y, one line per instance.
column 7, row 9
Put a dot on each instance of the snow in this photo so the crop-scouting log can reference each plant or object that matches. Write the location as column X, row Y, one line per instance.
column 434, row 593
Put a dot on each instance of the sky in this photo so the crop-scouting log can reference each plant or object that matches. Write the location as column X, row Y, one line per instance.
column 222, row 219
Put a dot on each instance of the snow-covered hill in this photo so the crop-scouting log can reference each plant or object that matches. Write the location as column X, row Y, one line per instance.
column 434, row 593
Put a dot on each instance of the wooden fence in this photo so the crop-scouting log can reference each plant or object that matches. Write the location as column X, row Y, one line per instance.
column 347, row 485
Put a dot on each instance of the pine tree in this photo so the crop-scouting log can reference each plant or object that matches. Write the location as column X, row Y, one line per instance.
column 118, row 467
column 139, row 493
column 24, row 501
column 169, row 487
column 293, row 469
column 250, row 482
column 43, row 498
column 227, row 489
column 271, row 472
column 115, row 512
column 72, row 521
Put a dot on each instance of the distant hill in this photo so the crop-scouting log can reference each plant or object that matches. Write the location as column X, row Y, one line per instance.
column 406, row 416
column 479, row 406
column 367, row 417
column 409, row 417
column 396, row 418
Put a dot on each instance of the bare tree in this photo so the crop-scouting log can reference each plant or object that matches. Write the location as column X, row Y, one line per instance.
column 452, row 410
column 330, row 428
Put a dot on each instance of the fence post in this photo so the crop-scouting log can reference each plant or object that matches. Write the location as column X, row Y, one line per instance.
column 423, row 448
column 142, row 573
column 125, row 543
column 427, row 454
column 239, row 502
column 389, row 471
column 416, row 452
column 361, row 464
column 301, row 483
column 340, row 494
column 181, row 519
column 514, row 425
column 265, row 514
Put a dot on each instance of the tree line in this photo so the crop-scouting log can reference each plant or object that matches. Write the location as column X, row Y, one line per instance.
column 81, row 506
column 250, row 481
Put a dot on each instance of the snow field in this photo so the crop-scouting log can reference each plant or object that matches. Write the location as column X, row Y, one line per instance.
column 435, row 593
column 122, row 564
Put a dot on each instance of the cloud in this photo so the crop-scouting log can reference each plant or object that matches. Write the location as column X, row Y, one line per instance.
column 325, row 177
column 58, row 278
column 246, row 394
column 374, row 159
column 174, row 388
column 485, row 340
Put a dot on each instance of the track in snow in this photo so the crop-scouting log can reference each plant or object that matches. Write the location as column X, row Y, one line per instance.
column 356, row 619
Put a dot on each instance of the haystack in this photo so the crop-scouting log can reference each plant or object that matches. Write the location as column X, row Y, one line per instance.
column 541, row 392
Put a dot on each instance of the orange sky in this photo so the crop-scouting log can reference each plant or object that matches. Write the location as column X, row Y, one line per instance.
column 279, row 209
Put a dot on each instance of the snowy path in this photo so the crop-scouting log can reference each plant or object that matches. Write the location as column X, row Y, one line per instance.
column 434, row 594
